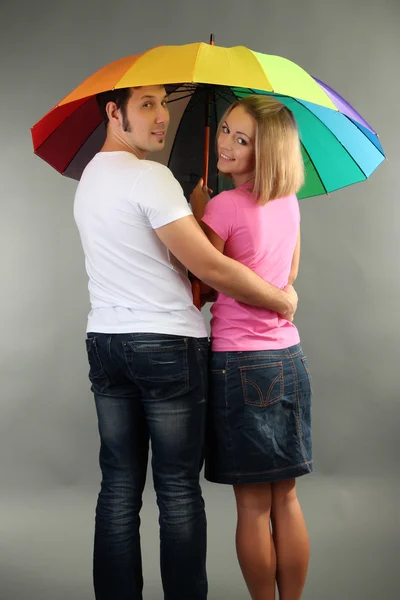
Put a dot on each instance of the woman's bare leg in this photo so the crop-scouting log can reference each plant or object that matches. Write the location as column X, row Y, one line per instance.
column 254, row 543
column 291, row 540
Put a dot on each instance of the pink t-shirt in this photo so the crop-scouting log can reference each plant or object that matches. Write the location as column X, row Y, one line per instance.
column 263, row 238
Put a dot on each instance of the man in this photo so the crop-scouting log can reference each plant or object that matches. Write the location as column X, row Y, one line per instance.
column 147, row 346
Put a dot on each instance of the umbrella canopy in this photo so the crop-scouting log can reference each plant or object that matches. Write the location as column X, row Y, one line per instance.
column 339, row 147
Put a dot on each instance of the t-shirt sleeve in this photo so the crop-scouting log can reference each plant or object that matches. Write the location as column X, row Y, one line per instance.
column 219, row 215
column 160, row 196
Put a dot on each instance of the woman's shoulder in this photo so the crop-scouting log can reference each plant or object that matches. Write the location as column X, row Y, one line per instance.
column 222, row 200
column 287, row 201
column 224, row 196
column 221, row 208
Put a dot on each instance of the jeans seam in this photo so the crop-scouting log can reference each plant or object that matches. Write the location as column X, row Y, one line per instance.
column 281, row 356
column 109, row 340
column 232, row 451
column 199, row 358
column 95, row 351
column 287, row 468
column 303, row 360
column 296, row 392
column 269, row 354
column 147, row 349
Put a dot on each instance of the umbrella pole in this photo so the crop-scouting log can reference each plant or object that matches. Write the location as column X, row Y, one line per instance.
column 207, row 131
column 196, row 284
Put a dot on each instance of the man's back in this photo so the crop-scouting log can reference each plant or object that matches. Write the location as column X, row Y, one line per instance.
column 135, row 284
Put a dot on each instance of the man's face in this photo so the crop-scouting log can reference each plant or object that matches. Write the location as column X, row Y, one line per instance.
column 145, row 120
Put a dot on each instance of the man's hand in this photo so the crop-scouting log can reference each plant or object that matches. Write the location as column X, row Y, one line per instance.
column 293, row 300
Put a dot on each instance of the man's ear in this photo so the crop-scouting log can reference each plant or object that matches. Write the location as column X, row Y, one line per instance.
column 113, row 112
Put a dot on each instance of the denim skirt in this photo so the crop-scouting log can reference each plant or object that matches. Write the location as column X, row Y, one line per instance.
column 259, row 417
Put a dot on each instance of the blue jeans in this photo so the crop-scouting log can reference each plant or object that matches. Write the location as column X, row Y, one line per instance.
column 149, row 387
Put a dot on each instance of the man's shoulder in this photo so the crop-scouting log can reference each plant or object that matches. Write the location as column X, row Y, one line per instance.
column 157, row 169
column 157, row 177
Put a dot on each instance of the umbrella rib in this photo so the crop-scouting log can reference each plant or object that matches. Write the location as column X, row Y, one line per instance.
column 248, row 94
column 315, row 168
column 331, row 132
column 81, row 146
column 195, row 103
column 184, row 87
column 218, row 93
column 180, row 98
column 353, row 122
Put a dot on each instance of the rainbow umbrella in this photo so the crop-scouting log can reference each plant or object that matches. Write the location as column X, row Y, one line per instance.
column 339, row 147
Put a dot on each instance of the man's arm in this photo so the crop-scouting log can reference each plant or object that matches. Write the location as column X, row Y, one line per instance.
column 186, row 240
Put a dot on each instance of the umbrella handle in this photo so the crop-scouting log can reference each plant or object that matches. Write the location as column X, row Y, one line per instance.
column 196, row 284
column 196, row 291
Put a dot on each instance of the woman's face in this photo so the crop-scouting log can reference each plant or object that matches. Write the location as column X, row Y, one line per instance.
column 236, row 146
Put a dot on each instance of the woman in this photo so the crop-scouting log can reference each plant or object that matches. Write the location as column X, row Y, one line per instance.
column 260, row 396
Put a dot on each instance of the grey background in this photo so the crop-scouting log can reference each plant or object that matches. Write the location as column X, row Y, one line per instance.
column 348, row 315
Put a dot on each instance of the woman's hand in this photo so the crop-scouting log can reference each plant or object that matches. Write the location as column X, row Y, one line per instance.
column 199, row 198
column 293, row 299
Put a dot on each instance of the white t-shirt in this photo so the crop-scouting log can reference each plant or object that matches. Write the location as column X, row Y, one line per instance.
column 135, row 284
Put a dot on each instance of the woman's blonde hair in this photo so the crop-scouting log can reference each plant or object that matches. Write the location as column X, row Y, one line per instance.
column 279, row 167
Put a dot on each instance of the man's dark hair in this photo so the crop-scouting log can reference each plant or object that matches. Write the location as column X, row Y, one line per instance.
column 120, row 97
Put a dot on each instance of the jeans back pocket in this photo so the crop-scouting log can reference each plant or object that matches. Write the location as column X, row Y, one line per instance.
column 262, row 384
column 159, row 364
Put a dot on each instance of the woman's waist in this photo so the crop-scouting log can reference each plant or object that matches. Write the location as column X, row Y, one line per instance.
column 228, row 309
column 239, row 340
column 251, row 328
